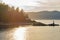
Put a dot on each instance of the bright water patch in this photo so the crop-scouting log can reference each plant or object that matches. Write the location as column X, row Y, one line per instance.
column 31, row 33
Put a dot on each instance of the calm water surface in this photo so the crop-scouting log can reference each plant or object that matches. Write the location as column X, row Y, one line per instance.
column 31, row 33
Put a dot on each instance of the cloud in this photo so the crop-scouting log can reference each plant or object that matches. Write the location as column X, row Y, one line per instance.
column 35, row 5
column 49, row 3
column 45, row 5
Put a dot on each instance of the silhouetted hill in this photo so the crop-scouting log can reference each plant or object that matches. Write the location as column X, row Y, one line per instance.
column 44, row 15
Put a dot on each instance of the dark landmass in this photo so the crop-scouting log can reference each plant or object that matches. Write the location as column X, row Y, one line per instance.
column 53, row 24
column 34, row 23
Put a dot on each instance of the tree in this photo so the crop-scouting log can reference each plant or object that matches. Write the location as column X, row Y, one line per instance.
column 3, row 12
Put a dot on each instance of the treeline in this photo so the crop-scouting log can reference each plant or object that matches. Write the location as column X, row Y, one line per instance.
column 11, row 15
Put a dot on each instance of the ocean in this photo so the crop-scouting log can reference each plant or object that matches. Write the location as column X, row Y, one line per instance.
column 49, row 21
column 30, row 32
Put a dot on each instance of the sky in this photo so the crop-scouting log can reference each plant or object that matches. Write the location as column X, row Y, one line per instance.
column 35, row 5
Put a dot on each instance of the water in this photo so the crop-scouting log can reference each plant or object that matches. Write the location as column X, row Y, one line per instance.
column 49, row 21
column 31, row 33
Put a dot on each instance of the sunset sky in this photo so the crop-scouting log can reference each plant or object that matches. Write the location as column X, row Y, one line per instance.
column 35, row 5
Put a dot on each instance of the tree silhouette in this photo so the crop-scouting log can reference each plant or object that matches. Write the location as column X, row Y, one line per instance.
column 10, row 15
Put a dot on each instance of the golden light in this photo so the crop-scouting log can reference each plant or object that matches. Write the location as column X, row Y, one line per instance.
column 19, row 34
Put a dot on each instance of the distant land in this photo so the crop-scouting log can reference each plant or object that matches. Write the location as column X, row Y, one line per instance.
column 44, row 15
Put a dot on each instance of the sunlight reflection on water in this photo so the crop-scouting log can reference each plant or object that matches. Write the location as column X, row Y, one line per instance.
column 19, row 34
column 31, row 33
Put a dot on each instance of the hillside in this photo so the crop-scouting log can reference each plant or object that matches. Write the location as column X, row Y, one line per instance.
column 44, row 15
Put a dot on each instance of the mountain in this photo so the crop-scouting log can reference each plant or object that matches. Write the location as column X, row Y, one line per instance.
column 44, row 15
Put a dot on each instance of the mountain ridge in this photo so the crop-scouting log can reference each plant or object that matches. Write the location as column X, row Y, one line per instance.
column 44, row 15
